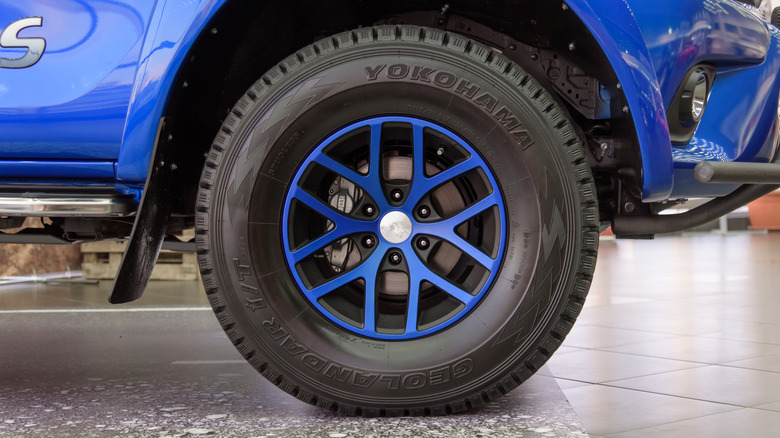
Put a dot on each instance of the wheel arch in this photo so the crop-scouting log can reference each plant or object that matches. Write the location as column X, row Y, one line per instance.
column 617, row 32
column 173, row 30
column 204, row 56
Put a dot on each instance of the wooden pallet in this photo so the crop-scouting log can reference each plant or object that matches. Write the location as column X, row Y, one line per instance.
column 102, row 259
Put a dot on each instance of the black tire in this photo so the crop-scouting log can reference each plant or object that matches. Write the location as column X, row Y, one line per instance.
column 775, row 19
column 538, row 161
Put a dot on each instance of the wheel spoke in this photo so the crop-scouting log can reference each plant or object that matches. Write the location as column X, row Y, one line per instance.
column 371, row 269
column 423, row 273
column 369, row 183
column 311, row 247
column 334, row 283
column 456, row 292
column 412, row 310
column 316, row 204
column 471, row 211
column 419, row 272
column 446, row 230
column 452, row 172
column 344, row 225
column 422, row 185
column 372, row 182
column 418, row 153
column 472, row 251
column 341, row 169
column 375, row 155
column 366, row 269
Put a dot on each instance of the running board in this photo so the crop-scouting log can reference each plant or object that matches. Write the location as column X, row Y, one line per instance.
column 66, row 205
column 737, row 173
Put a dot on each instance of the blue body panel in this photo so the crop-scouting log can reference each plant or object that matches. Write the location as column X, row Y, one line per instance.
column 740, row 122
column 73, row 103
column 71, row 170
column 98, row 92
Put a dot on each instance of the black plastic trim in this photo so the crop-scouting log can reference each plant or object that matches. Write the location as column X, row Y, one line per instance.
column 151, row 221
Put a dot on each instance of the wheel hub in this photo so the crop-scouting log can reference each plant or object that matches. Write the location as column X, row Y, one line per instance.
column 395, row 227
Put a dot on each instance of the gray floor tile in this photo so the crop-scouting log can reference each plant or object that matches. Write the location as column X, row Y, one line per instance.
column 664, row 324
column 566, row 350
column 768, row 333
column 765, row 313
column 586, row 336
column 747, row 293
column 710, row 298
column 752, row 423
column 721, row 384
column 664, row 318
column 765, row 363
column 775, row 406
column 605, row 410
column 697, row 349
column 568, row 384
column 595, row 366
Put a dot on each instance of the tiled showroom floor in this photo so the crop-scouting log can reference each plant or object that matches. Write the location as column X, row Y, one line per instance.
column 680, row 337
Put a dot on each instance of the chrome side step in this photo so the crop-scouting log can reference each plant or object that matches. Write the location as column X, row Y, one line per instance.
column 66, row 205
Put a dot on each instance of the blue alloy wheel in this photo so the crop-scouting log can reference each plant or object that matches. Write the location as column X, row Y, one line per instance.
column 394, row 228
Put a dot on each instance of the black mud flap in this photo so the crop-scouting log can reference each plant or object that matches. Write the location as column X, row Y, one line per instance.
column 151, row 221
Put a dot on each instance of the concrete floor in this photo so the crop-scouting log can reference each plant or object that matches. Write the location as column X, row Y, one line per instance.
column 71, row 365
column 680, row 337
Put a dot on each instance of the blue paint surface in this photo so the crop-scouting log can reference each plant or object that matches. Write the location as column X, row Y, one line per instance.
column 73, row 103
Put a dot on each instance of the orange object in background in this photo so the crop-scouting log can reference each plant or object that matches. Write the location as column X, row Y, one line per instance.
column 764, row 212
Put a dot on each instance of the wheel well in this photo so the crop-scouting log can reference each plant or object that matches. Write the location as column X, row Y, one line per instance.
column 248, row 37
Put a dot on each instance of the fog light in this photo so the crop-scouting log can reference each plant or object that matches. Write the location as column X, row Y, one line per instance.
column 693, row 100
column 690, row 102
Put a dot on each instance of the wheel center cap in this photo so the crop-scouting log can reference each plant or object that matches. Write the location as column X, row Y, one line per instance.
column 395, row 227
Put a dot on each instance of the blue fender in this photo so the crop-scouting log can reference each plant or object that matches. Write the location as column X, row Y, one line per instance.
column 617, row 32
column 175, row 25
column 173, row 29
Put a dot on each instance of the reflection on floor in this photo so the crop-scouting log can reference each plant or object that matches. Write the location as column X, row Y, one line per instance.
column 163, row 367
column 680, row 337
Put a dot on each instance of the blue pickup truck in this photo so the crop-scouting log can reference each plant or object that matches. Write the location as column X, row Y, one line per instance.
column 397, row 204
